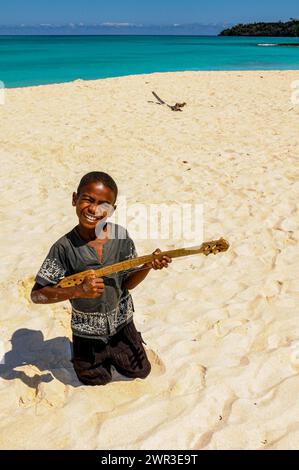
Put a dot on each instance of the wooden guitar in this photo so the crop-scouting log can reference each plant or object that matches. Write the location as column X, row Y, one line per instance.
column 206, row 248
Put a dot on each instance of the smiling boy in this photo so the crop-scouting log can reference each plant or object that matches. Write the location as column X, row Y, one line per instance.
column 104, row 333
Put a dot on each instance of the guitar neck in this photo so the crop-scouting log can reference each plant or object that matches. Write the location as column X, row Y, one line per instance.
column 134, row 262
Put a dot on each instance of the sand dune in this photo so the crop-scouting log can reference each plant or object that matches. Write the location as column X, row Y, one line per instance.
column 222, row 332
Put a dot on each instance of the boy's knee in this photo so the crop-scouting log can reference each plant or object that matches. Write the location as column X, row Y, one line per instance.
column 91, row 376
column 94, row 381
column 144, row 372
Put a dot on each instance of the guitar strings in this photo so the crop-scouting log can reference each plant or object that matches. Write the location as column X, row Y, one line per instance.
column 130, row 270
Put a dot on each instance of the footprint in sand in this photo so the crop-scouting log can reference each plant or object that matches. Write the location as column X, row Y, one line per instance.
column 27, row 387
column 147, row 302
column 295, row 359
column 158, row 367
column 43, row 192
column 226, row 326
column 25, row 286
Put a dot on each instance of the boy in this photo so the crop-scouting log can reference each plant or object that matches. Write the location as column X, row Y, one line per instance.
column 104, row 333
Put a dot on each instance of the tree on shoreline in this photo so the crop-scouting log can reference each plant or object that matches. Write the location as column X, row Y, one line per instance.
column 289, row 28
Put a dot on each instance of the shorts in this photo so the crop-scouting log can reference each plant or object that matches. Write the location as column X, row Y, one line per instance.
column 93, row 358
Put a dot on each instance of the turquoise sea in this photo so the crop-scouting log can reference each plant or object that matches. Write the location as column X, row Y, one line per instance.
column 34, row 60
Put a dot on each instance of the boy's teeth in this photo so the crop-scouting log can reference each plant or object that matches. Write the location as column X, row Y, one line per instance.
column 90, row 217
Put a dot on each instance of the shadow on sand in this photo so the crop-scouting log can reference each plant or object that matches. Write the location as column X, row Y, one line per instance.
column 28, row 347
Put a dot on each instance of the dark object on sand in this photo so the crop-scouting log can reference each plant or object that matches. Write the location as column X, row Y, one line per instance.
column 175, row 107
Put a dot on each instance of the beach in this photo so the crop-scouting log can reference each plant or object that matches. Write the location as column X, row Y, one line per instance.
column 222, row 332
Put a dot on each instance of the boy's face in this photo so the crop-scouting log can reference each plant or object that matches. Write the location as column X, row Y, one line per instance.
column 94, row 203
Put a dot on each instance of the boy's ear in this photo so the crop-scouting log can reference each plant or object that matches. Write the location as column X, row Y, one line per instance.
column 74, row 199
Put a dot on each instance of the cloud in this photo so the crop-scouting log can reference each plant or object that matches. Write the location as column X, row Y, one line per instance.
column 119, row 24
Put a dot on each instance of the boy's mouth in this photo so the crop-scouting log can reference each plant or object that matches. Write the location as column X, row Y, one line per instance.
column 91, row 218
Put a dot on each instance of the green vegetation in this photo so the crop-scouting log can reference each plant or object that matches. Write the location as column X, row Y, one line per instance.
column 290, row 28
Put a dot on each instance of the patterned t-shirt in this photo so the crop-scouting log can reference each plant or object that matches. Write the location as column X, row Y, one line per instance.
column 103, row 316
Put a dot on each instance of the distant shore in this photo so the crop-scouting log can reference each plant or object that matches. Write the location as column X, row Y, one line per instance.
column 286, row 29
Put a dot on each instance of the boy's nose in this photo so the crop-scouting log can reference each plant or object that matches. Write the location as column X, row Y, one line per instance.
column 92, row 208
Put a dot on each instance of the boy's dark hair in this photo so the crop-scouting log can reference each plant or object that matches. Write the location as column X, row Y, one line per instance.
column 95, row 176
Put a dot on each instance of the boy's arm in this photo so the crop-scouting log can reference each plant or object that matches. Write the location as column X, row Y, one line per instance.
column 135, row 278
column 90, row 288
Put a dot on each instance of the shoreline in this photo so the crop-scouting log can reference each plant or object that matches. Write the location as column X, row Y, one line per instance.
column 79, row 80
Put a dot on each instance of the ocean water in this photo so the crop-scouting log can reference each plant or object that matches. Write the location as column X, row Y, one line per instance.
column 35, row 60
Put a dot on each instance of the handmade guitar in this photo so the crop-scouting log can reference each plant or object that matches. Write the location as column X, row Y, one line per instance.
column 206, row 248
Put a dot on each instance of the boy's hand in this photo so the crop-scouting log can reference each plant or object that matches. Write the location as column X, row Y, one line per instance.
column 136, row 277
column 91, row 287
column 159, row 264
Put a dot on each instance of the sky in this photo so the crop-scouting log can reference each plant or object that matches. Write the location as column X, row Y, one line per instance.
column 145, row 11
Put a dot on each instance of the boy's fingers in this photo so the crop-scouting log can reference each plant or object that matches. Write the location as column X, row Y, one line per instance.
column 98, row 287
column 159, row 266
column 160, row 263
column 90, row 276
column 155, row 265
column 98, row 283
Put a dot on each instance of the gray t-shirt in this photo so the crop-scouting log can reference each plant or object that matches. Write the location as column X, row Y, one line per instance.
column 102, row 316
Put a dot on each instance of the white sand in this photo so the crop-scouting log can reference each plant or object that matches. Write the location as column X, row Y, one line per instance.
column 222, row 332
